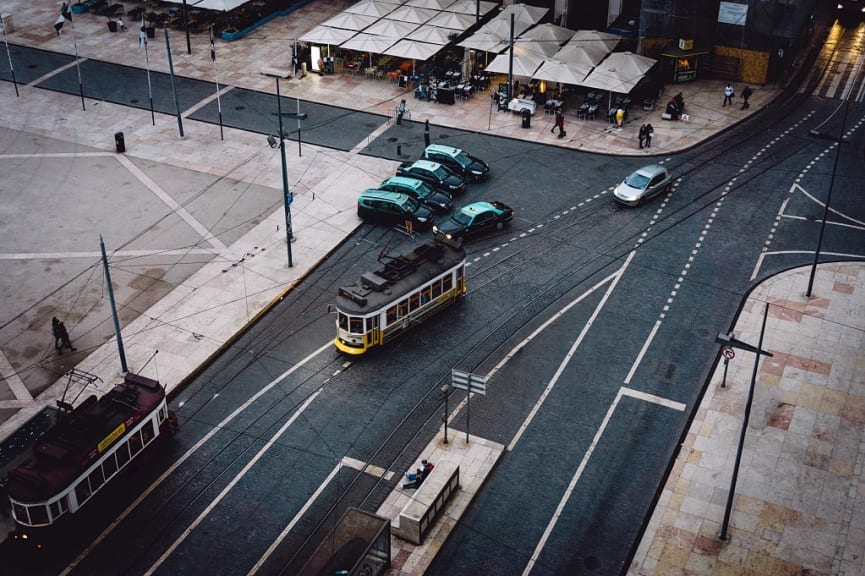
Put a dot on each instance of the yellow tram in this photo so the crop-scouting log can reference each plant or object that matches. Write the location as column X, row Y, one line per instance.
column 408, row 289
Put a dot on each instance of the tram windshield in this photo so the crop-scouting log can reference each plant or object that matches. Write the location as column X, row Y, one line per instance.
column 351, row 324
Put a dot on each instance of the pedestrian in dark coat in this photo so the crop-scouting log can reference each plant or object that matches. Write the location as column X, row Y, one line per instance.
column 61, row 336
column 649, row 132
column 746, row 93
column 642, row 135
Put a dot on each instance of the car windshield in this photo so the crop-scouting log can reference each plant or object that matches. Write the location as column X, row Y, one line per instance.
column 424, row 191
column 411, row 204
column 462, row 218
column 637, row 180
column 463, row 159
column 440, row 173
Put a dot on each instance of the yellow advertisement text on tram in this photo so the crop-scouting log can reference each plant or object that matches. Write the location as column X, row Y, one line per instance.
column 109, row 440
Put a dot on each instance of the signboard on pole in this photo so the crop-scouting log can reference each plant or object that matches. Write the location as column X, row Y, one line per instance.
column 469, row 382
column 732, row 13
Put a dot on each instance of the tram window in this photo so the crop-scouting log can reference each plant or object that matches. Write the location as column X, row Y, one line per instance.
column 39, row 514
column 436, row 289
column 109, row 467
column 391, row 315
column 402, row 309
column 163, row 413
column 147, row 433
column 425, row 295
column 21, row 513
column 356, row 325
column 135, row 443
column 96, row 479
column 122, row 455
column 342, row 320
column 64, row 503
column 82, row 491
column 414, row 302
column 447, row 283
column 55, row 509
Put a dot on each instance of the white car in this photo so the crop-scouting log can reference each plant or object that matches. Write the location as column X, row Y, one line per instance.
column 642, row 184
column 520, row 104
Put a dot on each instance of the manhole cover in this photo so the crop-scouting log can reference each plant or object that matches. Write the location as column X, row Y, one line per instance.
column 240, row 107
column 392, row 139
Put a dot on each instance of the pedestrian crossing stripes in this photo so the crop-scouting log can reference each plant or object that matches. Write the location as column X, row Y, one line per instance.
column 843, row 78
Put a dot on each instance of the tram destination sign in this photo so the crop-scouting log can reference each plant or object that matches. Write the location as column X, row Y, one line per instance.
column 469, row 382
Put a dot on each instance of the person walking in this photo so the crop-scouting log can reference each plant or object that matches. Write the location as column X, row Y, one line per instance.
column 746, row 93
column 61, row 336
column 142, row 37
column 642, row 135
column 649, row 132
column 120, row 25
column 728, row 95
column 560, row 122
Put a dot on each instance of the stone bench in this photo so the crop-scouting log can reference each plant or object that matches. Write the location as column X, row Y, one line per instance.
column 419, row 514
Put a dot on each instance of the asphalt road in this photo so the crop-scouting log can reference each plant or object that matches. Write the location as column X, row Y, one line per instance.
column 639, row 296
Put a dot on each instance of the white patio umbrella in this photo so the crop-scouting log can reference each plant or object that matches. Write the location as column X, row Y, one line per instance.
column 619, row 72
column 471, row 7
column 327, row 35
column 430, row 4
column 452, row 20
column 546, row 38
column 595, row 38
column 369, row 43
column 372, row 8
column 350, row 21
column 432, row 34
column 391, row 28
column 523, row 13
column 412, row 14
column 524, row 65
column 413, row 49
column 217, row 5
column 484, row 42
column 562, row 72
column 586, row 54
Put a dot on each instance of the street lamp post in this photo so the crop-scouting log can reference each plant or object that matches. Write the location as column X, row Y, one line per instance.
column 287, row 196
column 729, row 340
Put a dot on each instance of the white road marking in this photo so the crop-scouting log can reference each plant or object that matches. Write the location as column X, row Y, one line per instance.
column 222, row 425
column 258, row 455
column 584, row 462
column 97, row 254
column 370, row 469
column 16, row 385
column 615, row 277
column 643, row 350
column 760, row 258
column 270, row 550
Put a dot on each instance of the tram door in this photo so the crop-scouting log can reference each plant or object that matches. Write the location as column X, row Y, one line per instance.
column 373, row 331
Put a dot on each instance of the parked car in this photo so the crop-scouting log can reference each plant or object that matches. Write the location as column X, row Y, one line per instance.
column 392, row 208
column 460, row 161
column 642, row 184
column 437, row 200
column 435, row 174
column 473, row 219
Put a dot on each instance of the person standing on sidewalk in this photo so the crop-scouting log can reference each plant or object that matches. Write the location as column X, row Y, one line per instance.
column 728, row 95
column 560, row 122
column 649, row 132
column 642, row 135
column 746, row 93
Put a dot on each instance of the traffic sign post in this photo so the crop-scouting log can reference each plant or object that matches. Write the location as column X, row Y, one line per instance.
column 472, row 384
column 729, row 354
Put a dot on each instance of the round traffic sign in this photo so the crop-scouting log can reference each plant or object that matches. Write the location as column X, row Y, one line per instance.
column 728, row 353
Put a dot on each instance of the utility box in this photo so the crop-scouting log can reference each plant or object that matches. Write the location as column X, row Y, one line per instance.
column 119, row 142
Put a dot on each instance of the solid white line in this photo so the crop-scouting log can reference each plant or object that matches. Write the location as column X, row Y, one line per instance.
column 821, row 204
column 567, row 359
column 757, row 266
column 221, row 426
column 57, row 155
column 258, row 455
column 96, row 254
column 784, row 252
column 171, row 202
column 642, row 352
column 584, row 462
column 272, row 548
column 646, row 397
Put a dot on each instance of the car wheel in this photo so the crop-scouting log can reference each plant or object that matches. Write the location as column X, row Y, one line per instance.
column 459, row 241
column 500, row 225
